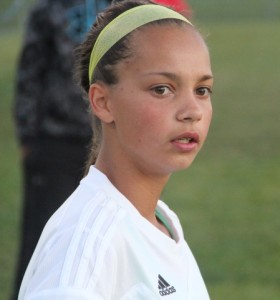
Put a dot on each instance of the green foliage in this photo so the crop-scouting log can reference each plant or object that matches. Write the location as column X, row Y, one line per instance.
column 228, row 201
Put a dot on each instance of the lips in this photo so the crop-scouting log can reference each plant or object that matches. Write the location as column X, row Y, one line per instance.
column 186, row 142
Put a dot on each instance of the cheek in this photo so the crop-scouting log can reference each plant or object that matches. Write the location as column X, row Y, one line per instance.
column 152, row 121
column 207, row 118
column 210, row 114
column 148, row 123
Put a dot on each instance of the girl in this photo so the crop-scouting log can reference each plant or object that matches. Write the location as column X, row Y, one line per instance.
column 147, row 73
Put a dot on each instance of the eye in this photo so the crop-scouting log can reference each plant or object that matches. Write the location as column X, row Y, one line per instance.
column 161, row 90
column 203, row 91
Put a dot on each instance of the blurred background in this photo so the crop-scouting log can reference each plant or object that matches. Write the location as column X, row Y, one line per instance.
column 229, row 200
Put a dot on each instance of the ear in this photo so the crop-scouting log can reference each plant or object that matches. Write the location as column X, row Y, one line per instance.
column 100, row 102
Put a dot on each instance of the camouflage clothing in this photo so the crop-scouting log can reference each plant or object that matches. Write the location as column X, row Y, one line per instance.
column 47, row 101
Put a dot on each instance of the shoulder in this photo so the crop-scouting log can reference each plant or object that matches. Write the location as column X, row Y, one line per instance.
column 87, row 221
column 75, row 246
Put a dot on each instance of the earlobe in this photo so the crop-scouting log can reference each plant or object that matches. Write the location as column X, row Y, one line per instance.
column 100, row 102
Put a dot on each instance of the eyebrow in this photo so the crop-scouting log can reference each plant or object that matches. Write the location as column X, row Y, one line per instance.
column 206, row 77
column 176, row 77
column 165, row 74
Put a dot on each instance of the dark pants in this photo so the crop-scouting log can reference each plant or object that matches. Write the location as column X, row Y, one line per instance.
column 51, row 172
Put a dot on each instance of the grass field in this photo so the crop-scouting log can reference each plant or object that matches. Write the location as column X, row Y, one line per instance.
column 228, row 200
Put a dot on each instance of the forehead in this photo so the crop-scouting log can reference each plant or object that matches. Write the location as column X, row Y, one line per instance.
column 166, row 34
column 166, row 45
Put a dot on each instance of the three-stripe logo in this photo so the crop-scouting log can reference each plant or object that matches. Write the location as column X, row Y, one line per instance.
column 164, row 287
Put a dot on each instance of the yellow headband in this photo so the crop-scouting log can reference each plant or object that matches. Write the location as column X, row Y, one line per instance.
column 126, row 23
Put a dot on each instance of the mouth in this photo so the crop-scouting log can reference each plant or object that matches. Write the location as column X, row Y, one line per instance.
column 186, row 142
column 187, row 138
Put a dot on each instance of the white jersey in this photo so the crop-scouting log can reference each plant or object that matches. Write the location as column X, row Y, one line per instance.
column 98, row 246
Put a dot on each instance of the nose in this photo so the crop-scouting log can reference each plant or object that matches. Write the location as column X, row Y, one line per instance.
column 190, row 109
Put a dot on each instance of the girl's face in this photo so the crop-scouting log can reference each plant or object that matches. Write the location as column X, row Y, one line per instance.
column 161, row 105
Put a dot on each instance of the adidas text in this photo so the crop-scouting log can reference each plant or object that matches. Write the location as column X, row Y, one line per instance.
column 168, row 291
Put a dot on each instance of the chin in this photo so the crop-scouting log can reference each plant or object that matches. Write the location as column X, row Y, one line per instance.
column 179, row 166
column 183, row 164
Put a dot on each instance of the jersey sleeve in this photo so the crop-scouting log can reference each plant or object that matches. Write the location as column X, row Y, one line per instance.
column 75, row 263
column 64, row 294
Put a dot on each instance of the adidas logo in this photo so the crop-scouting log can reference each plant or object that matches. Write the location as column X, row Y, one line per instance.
column 164, row 287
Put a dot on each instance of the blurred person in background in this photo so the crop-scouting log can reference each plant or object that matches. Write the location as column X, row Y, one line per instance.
column 179, row 5
column 52, row 121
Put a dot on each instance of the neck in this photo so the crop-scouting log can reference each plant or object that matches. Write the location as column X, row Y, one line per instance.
column 142, row 189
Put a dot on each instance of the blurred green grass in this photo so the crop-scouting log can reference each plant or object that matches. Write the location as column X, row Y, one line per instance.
column 9, row 170
column 10, row 187
column 228, row 201
column 241, row 10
